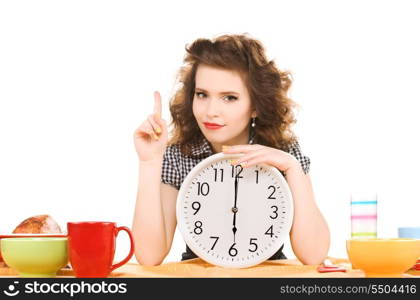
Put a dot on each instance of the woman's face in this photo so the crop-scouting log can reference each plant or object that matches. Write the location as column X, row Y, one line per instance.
column 222, row 98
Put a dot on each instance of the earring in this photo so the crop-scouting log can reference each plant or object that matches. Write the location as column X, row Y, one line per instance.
column 251, row 141
column 253, row 122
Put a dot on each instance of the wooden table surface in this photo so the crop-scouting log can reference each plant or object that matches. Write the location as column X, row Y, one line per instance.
column 199, row 268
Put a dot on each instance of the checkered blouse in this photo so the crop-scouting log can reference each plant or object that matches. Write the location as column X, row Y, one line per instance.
column 176, row 167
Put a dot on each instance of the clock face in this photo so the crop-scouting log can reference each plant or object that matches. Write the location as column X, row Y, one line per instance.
column 232, row 216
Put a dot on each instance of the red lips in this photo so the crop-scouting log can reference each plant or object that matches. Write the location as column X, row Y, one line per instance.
column 212, row 125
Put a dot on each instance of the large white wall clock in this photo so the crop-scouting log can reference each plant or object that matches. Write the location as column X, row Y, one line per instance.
column 231, row 216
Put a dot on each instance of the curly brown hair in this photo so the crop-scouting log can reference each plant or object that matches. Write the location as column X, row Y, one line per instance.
column 267, row 87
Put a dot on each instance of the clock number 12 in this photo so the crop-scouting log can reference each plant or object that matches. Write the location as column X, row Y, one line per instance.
column 239, row 173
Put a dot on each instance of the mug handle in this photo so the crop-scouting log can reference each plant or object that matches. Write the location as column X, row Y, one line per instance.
column 113, row 267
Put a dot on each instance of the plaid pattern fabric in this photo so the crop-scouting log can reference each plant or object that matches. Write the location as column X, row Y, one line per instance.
column 176, row 167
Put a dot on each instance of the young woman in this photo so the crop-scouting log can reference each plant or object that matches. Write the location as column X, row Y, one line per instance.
column 230, row 99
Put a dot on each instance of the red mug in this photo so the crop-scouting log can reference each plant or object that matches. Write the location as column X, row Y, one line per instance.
column 91, row 248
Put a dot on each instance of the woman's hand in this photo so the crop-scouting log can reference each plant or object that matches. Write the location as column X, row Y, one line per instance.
column 258, row 154
column 151, row 137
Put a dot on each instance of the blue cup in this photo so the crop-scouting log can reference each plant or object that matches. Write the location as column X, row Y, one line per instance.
column 409, row 232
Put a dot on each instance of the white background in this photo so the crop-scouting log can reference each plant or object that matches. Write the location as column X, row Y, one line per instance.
column 77, row 78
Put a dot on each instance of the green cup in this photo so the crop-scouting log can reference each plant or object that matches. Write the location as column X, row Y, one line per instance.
column 35, row 257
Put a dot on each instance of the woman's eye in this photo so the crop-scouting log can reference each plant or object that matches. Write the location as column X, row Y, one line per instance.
column 200, row 95
column 230, row 98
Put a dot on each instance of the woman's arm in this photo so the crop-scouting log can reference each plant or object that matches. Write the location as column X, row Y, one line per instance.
column 154, row 219
column 310, row 236
column 148, row 223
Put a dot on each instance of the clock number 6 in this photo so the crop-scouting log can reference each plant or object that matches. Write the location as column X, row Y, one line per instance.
column 233, row 251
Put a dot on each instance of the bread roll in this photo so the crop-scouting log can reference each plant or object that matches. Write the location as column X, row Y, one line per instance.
column 38, row 224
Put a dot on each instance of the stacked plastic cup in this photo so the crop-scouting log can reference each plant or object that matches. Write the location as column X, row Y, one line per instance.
column 364, row 215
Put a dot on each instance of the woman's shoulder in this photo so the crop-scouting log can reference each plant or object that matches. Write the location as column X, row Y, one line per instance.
column 173, row 150
column 294, row 147
column 296, row 151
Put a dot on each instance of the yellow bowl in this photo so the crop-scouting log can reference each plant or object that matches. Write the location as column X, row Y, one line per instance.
column 383, row 257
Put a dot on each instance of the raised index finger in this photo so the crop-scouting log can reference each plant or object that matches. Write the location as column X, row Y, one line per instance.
column 157, row 110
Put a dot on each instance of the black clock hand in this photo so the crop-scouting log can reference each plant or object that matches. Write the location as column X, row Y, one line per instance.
column 235, row 209
column 236, row 190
